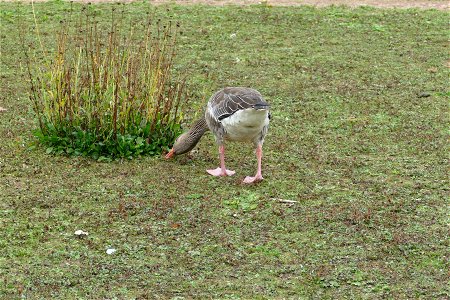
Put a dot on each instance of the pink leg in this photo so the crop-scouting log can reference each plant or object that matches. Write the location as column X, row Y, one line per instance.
column 258, row 177
column 221, row 171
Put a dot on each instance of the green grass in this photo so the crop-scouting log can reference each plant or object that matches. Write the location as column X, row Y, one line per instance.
column 350, row 140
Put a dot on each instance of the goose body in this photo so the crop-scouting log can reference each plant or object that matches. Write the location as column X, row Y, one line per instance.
column 245, row 125
column 232, row 114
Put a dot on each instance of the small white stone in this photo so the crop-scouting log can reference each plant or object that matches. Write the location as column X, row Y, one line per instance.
column 110, row 251
column 233, row 35
column 81, row 232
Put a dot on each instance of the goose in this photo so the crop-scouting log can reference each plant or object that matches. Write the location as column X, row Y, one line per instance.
column 232, row 114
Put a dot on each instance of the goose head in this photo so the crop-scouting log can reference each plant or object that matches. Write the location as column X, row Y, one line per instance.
column 183, row 144
column 187, row 141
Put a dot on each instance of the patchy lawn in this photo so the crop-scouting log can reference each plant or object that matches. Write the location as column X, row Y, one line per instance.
column 358, row 139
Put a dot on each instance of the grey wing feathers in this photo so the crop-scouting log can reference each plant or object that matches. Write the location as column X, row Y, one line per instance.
column 227, row 101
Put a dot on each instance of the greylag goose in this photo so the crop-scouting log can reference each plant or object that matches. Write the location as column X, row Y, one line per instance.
column 232, row 114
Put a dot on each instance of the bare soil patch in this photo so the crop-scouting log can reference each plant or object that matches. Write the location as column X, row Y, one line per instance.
column 425, row 4
column 439, row 4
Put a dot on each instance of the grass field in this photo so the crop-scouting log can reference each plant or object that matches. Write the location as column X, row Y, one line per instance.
column 358, row 138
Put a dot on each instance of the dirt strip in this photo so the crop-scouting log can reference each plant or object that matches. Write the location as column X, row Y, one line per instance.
column 437, row 4
column 426, row 4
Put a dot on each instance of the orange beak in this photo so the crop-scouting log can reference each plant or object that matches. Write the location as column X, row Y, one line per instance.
column 170, row 154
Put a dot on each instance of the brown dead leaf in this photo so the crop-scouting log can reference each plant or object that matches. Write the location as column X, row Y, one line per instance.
column 175, row 225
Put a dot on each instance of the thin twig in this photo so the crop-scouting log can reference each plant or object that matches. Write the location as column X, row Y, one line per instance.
column 285, row 200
